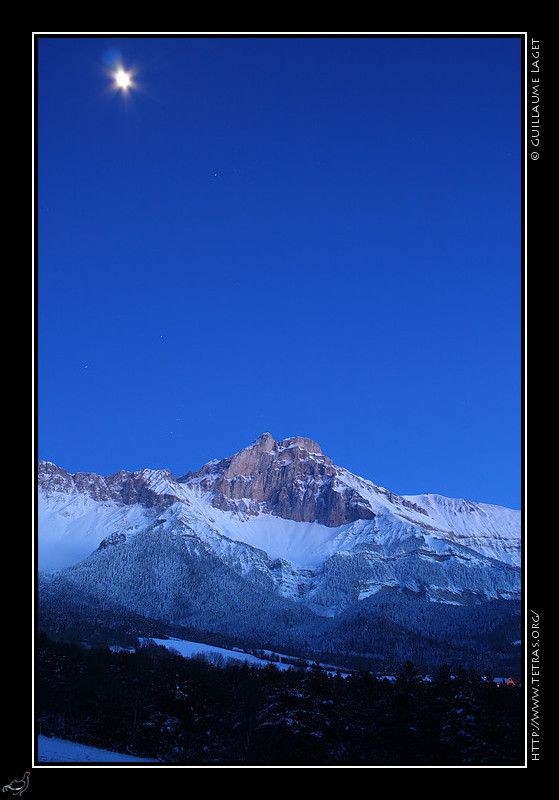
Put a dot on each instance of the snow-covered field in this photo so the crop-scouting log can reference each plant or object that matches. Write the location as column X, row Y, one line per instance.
column 211, row 652
column 61, row 751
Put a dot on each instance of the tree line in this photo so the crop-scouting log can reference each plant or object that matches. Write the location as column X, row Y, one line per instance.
column 155, row 704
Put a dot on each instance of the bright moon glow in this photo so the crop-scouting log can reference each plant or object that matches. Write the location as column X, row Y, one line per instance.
column 122, row 79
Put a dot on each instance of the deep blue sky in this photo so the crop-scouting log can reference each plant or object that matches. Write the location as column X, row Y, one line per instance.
column 306, row 236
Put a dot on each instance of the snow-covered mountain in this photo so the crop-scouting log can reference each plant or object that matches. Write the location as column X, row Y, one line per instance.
column 278, row 547
column 284, row 509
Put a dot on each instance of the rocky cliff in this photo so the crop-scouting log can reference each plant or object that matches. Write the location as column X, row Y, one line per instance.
column 292, row 479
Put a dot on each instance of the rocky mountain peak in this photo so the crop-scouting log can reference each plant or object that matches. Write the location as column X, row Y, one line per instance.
column 302, row 442
column 267, row 444
column 263, row 455
column 265, row 452
column 290, row 478
column 264, row 443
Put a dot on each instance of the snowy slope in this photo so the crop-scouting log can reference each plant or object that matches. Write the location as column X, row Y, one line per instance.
column 214, row 653
column 304, row 544
column 489, row 529
column 62, row 751
column 70, row 527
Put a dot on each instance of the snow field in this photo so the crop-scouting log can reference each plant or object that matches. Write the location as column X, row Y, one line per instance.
column 61, row 751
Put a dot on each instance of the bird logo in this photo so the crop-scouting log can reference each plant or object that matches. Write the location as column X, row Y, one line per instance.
column 17, row 787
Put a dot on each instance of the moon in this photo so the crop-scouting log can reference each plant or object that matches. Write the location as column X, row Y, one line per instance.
column 123, row 79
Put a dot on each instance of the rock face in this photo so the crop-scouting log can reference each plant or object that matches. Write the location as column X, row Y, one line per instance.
column 145, row 486
column 291, row 478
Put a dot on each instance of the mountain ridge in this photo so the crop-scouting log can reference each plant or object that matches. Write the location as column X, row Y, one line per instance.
column 294, row 539
column 319, row 493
